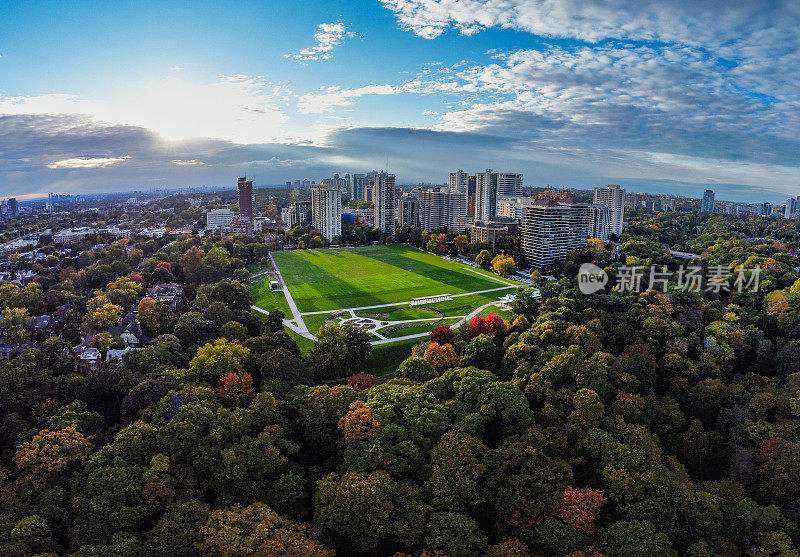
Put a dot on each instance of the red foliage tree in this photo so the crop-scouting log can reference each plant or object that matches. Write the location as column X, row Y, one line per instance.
column 165, row 265
column 640, row 350
column 137, row 278
column 494, row 324
column 235, row 386
column 442, row 335
column 361, row 381
column 580, row 507
column 441, row 249
column 477, row 326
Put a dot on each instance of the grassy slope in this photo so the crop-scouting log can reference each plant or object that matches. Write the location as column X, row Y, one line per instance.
column 341, row 278
column 268, row 299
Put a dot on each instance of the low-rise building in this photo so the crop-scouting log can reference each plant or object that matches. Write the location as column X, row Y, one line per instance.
column 89, row 359
column 488, row 232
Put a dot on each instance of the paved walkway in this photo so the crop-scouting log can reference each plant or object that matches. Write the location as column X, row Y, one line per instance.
column 453, row 326
column 490, row 277
column 300, row 328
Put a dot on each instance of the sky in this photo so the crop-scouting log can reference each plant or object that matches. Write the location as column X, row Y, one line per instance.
column 663, row 96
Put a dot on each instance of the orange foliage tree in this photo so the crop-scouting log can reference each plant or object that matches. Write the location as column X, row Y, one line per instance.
column 359, row 423
column 235, row 387
column 50, row 453
column 580, row 507
column 440, row 355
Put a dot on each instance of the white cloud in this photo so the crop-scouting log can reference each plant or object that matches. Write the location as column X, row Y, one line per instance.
column 684, row 21
column 327, row 99
column 328, row 36
column 189, row 162
column 237, row 108
column 88, row 162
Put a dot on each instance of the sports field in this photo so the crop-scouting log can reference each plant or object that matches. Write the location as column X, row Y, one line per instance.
column 343, row 285
column 331, row 279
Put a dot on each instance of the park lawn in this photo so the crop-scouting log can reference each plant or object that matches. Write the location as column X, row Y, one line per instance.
column 398, row 313
column 315, row 322
column 268, row 299
column 327, row 279
column 385, row 358
column 507, row 315
column 418, row 328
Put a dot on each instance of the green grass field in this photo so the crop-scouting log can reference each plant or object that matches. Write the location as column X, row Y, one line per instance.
column 268, row 299
column 418, row 328
column 330, row 279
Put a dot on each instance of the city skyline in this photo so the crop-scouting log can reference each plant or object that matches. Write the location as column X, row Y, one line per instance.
column 157, row 96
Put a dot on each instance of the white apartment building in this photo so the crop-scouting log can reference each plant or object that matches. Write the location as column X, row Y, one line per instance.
column 442, row 209
column 510, row 207
column 458, row 181
column 550, row 230
column 613, row 197
column 509, row 185
column 326, row 210
column 600, row 222
column 486, row 195
column 382, row 185
column 407, row 210
column 218, row 218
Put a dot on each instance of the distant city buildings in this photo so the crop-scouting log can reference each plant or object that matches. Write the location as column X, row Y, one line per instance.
column 326, row 210
column 708, row 202
column 359, row 186
column 650, row 202
column 342, row 183
column 612, row 197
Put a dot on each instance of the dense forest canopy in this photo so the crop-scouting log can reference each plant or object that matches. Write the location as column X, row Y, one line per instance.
column 621, row 424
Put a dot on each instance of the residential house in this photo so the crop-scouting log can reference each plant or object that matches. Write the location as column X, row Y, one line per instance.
column 89, row 359
column 131, row 334
column 169, row 294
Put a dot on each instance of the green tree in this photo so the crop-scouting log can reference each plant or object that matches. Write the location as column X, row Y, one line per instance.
column 215, row 360
column 484, row 260
column 455, row 534
column 370, row 508
column 15, row 324
column 339, row 351
column 462, row 243
column 458, row 466
column 636, row 538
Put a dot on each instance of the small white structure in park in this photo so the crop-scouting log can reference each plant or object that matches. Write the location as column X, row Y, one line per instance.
column 274, row 285
column 431, row 299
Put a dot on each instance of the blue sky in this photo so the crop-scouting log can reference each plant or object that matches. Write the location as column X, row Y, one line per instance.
column 669, row 97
